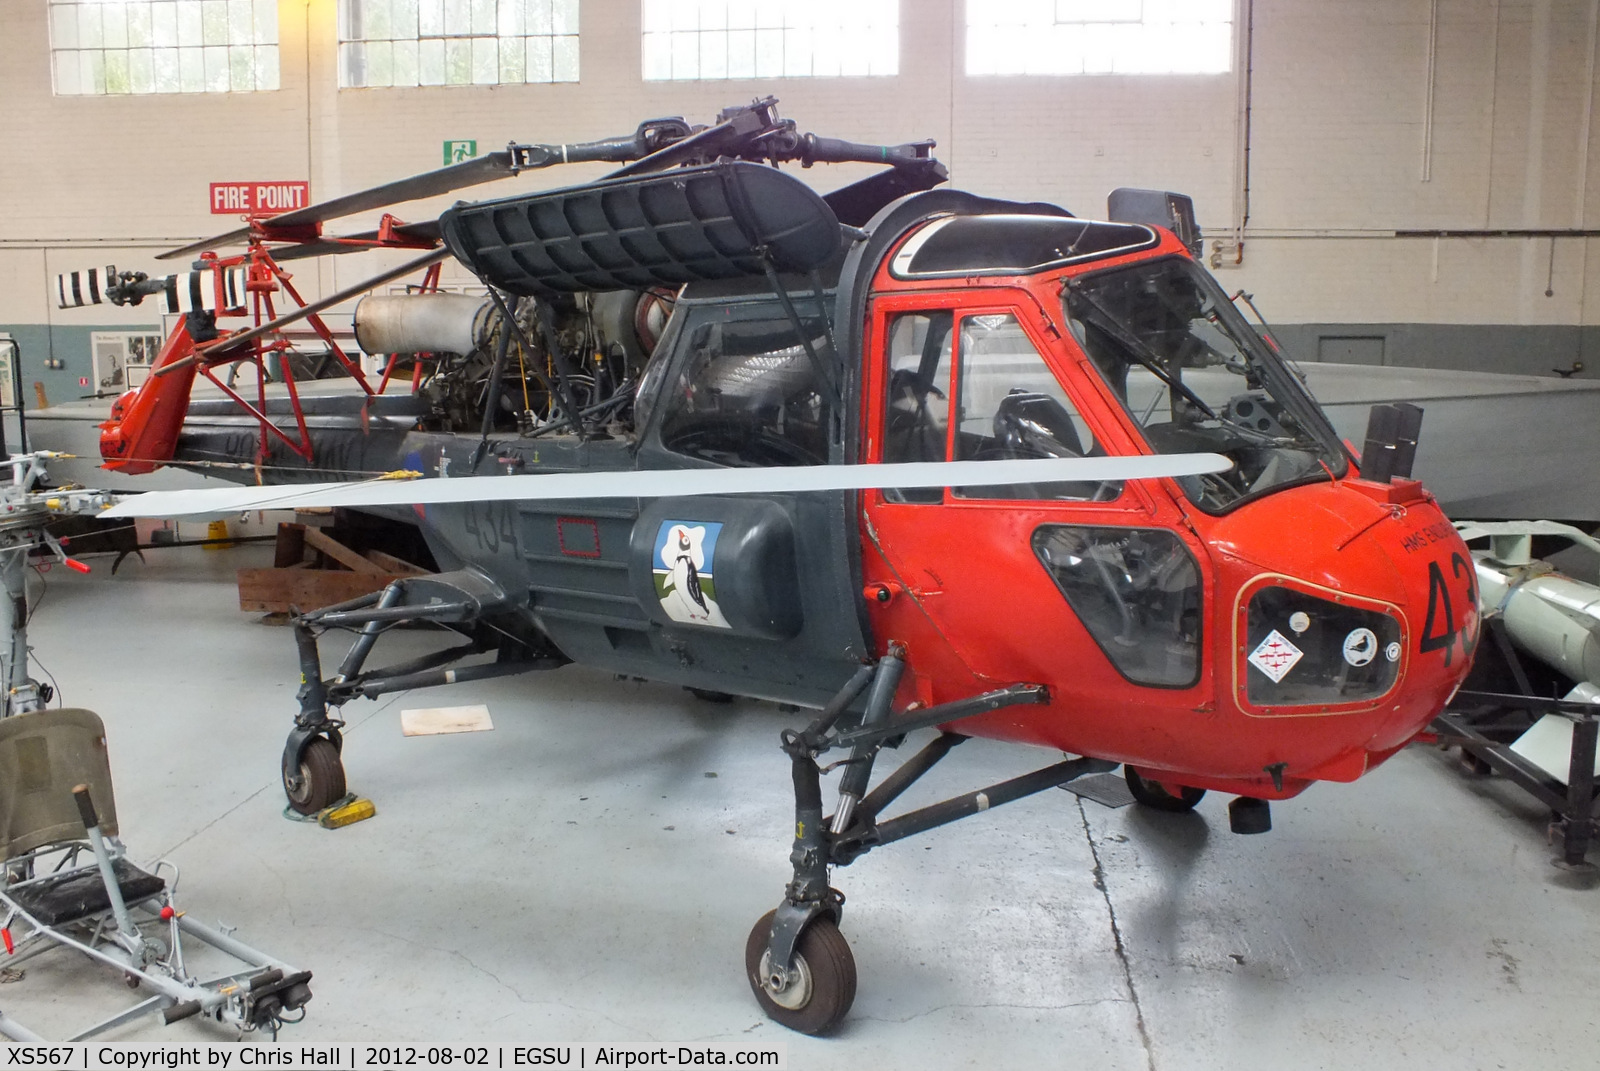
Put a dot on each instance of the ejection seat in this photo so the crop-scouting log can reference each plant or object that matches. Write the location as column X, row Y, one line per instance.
column 67, row 881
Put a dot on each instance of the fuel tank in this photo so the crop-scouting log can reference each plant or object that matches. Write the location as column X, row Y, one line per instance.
column 731, row 566
column 1552, row 616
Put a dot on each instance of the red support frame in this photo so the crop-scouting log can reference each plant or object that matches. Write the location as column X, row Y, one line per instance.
column 142, row 433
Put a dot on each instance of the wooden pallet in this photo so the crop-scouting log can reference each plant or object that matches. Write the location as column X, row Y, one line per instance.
column 311, row 570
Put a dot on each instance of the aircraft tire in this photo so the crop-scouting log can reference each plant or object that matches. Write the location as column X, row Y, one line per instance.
column 1156, row 795
column 321, row 780
column 821, row 999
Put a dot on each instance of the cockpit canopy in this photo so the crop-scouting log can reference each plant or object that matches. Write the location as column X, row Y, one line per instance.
column 1195, row 376
column 1001, row 244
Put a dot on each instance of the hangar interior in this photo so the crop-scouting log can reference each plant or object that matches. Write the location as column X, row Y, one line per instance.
column 1399, row 185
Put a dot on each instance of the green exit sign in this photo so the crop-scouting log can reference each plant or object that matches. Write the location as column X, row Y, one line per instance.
column 457, row 151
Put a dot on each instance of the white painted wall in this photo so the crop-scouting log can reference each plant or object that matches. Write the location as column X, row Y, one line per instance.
column 1340, row 144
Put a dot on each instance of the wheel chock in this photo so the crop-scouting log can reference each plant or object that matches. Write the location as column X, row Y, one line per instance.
column 346, row 812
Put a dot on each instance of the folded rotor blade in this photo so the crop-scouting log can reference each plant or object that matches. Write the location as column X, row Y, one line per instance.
column 857, row 203
column 738, row 132
column 233, row 237
column 481, row 169
column 665, row 483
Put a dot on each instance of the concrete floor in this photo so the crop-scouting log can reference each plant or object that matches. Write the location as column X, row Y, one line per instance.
column 587, row 873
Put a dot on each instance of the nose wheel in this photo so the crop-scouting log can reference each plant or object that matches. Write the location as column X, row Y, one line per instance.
column 317, row 780
column 1162, row 795
column 812, row 996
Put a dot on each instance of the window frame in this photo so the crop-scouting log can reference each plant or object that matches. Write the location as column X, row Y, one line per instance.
column 161, row 47
column 505, row 23
column 679, row 367
column 1062, row 381
column 855, row 45
column 1036, row 38
column 1063, row 368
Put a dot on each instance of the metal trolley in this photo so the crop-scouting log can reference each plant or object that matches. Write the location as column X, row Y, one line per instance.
column 68, row 882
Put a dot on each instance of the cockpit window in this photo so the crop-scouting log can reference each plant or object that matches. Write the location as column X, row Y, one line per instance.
column 1011, row 408
column 916, row 426
column 748, row 393
column 1008, row 405
column 1196, row 377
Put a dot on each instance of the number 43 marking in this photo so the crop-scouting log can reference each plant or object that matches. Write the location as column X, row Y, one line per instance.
column 1439, row 632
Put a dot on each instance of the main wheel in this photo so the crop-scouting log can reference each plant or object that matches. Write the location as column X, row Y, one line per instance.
column 1159, row 794
column 824, row 983
column 319, row 780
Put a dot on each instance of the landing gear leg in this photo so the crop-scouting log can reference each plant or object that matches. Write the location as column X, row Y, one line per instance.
column 313, row 774
column 798, row 963
column 464, row 602
column 1578, row 825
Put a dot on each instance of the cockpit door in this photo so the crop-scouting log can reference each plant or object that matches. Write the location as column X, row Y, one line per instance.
column 1005, row 583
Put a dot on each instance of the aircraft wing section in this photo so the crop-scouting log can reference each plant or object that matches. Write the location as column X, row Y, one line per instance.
column 663, row 483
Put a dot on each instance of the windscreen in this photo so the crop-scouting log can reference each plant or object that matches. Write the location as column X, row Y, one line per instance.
column 1195, row 376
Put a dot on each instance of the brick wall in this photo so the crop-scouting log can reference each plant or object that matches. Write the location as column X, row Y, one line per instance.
column 1339, row 144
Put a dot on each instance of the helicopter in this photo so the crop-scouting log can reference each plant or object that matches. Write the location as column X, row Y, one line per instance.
column 909, row 457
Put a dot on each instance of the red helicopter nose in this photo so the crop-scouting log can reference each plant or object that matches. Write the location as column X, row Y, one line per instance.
column 1352, row 617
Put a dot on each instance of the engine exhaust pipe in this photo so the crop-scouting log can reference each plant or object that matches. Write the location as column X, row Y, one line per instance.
column 422, row 323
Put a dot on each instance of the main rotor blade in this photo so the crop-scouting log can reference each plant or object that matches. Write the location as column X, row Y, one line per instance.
column 474, row 172
column 238, row 236
column 666, row 483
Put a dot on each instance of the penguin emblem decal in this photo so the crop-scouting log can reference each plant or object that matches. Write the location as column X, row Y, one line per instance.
column 685, row 566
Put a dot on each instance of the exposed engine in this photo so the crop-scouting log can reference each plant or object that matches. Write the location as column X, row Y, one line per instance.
column 470, row 362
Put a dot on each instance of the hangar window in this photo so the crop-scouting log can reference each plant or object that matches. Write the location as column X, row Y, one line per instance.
column 1100, row 37
column 163, row 46
column 457, row 42
column 718, row 39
